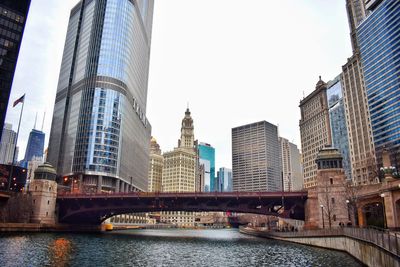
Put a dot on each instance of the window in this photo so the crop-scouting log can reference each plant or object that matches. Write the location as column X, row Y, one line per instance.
column 48, row 202
column 334, row 217
column 331, row 180
column 333, row 200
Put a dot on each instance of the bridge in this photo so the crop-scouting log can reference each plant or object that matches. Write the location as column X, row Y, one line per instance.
column 95, row 208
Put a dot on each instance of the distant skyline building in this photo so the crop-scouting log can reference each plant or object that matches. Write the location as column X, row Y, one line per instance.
column 315, row 130
column 156, row 167
column 99, row 130
column 13, row 15
column 35, row 146
column 256, row 163
column 337, row 119
column 224, row 179
column 379, row 42
column 207, row 158
column 292, row 173
column 7, row 145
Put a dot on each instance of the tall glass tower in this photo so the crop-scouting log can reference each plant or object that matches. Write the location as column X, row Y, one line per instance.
column 13, row 15
column 207, row 159
column 100, row 135
column 379, row 41
column 35, row 145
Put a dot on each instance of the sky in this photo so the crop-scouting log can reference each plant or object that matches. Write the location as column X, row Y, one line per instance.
column 233, row 62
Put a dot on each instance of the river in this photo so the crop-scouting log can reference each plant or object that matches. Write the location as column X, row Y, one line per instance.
column 176, row 247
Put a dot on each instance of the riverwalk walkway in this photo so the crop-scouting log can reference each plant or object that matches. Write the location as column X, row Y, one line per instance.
column 373, row 247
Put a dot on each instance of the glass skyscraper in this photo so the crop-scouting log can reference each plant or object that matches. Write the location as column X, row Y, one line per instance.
column 13, row 14
column 337, row 119
column 207, row 159
column 100, row 135
column 379, row 41
column 224, row 179
column 35, row 145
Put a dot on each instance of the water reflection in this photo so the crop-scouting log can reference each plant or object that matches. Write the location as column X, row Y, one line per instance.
column 161, row 248
column 60, row 252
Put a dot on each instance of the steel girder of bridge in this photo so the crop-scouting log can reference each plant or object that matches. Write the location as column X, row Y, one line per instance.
column 95, row 208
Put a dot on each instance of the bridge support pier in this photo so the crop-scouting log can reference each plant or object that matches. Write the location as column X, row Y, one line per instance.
column 117, row 185
column 99, row 183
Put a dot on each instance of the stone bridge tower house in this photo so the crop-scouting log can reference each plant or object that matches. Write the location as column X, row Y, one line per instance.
column 44, row 194
column 326, row 205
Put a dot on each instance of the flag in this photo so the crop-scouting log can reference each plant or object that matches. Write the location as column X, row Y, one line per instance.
column 19, row 100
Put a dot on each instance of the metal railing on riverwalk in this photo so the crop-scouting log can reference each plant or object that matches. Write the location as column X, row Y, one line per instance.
column 385, row 239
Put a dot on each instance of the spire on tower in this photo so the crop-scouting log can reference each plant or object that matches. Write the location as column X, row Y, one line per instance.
column 34, row 126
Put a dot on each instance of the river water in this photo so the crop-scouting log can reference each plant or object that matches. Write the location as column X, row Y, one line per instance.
column 175, row 247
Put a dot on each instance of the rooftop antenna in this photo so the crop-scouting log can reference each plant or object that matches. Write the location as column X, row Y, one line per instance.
column 34, row 126
column 44, row 116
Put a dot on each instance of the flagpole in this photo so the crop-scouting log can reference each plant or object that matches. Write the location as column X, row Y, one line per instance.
column 15, row 146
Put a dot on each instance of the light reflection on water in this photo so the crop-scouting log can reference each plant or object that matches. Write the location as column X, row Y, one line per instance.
column 161, row 248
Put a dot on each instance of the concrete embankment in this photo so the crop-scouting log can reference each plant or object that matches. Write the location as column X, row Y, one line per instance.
column 366, row 252
column 38, row 227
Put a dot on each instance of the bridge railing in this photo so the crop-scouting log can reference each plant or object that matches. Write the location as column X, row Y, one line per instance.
column 385, row 239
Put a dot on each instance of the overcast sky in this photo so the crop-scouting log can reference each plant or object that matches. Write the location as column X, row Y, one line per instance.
column 235, row 62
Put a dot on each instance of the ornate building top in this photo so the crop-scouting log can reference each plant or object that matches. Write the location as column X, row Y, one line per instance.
column 187, row 132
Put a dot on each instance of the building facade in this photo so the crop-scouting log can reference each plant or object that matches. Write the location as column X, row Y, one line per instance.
column 379, row 42
column 99, row 133
column 314, row 130
column 156, row 167
column 207, row 158
column 13, row 15
column 255, row 158
column 356, row 12
column 292, row 174
column 7, row 145
column 224, row 179
column 337, row 119
column 180, row 171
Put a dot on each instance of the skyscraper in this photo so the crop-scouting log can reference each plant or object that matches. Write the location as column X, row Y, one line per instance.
column 7, row 145
column 99, row 132
column 35, row 147
column 379, row 42
column 314, row 130
column 361, row 145
column 207, row 158
column 13, row 14
column 156, row 167
column 291, row 166
column 179, row 171
column 255, row 158
column 337, row 120
column 224, row 179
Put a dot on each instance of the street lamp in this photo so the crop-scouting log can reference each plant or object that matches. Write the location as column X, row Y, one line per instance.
column 348, row 210
column 384, row 210
column 322, row 214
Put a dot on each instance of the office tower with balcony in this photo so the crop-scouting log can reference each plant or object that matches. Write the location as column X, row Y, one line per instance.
column 100, row 135
column 255, row 158
column 13, row 15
